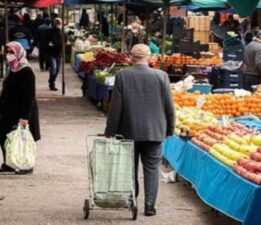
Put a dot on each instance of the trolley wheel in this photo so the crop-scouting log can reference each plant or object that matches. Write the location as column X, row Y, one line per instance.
column 134, row 211
column 86, row 209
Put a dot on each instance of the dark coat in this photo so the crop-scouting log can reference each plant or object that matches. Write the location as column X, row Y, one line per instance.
column 18, row 101
column 141, row 107
column 55, row 42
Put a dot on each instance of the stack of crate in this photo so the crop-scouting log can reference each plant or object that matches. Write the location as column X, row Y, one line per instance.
column 231, row 79
column 201, row 25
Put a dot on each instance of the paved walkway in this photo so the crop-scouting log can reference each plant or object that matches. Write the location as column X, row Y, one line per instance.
column 55, row 193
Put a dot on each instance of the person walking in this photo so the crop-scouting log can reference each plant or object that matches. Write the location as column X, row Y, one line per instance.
column 54, row 52
column 18, row 101
column 252, row 60
column 142, row 109
column 42, row 43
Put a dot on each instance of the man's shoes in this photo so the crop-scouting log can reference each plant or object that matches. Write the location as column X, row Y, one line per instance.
column 4, row 169
column 149, row 210
column 53, row 88
column 24, row 172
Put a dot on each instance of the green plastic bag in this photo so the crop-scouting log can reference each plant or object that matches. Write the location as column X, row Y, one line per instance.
column 154, row 48
column 20, row 149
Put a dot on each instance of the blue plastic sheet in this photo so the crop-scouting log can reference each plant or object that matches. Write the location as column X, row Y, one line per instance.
column 216, row 184
column 250, row 121
column 96, row 91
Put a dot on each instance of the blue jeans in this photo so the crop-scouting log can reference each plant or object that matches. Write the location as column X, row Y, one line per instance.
column 54, row 68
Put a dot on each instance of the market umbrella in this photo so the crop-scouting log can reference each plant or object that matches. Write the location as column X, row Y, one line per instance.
column 244, row 8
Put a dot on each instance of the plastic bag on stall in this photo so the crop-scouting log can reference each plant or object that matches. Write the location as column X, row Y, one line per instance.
column 20, row 149
column 231, row 65
column 184, row 85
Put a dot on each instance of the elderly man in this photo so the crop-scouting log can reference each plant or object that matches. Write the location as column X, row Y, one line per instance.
column 252, row 60
column 135, row 36
column 142, row 110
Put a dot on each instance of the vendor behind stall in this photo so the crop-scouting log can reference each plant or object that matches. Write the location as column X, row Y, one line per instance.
column 252, row 60
column 135, row 36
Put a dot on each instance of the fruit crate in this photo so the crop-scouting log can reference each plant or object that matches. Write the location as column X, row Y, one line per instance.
column 186, row 35
column 227, row 76
column 234, row 55
column 235, row 85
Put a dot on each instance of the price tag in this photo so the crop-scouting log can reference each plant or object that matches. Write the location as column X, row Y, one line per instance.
column 201, row 101
column 225, row 121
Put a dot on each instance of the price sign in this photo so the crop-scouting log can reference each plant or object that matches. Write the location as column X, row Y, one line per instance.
column 201, row 101
column 225, row 121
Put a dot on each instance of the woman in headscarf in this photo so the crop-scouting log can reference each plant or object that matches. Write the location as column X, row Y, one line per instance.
column 18, row 100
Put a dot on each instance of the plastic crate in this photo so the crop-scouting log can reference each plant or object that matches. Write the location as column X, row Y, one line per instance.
column 192, row 48
column 234, row 55
column 203, row 88
column 235, row 85
column 183, row 34
column 231, row 76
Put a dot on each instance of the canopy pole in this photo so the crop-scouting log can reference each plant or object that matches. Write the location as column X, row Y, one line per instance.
column 123, row 28
column 147, row 25
column 63, row 51
column 6, row 22
column 164, row 34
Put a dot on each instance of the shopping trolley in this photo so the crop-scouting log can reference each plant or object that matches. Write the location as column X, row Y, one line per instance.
column 111, row 171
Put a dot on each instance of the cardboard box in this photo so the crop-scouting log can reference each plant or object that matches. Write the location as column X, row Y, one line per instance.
column 202, row 36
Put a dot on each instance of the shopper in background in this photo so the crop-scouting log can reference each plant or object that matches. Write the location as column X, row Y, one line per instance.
column 21, row 34
column 252, row 60
column 84, row 21
column 142, row 110
column 42, row 42
column 102, row 17
column 28, row 23
column 18, row 101
column 135, row 36
column 54, row 52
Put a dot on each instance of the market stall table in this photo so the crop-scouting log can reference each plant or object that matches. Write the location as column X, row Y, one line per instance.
column 216, row 184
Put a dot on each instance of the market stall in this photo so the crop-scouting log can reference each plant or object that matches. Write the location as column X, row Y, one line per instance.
column 217, row 147
column 216, row 184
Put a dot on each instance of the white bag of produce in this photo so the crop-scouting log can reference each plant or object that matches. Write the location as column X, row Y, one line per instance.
column 87, row 45
column 20, row 149
column 35, row 53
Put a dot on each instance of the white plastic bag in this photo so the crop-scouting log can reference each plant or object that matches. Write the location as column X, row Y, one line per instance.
column 35, row 53
column 20, row 149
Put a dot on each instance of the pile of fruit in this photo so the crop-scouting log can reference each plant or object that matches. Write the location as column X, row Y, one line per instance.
column 186, row 60
column 104, row 59
column 190, row 121
column 88, row 56
column 250, row 168
column 221, row 104
column 234, row 145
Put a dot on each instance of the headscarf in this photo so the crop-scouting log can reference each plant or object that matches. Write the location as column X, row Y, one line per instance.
column 20, row 61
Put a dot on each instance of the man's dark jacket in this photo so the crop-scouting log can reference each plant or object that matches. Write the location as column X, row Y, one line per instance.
column 142, row 107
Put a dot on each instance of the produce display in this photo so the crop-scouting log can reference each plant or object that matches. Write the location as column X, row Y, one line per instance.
column 234, row 145
column 190, row 121
column 88, row 56
column 185, row 60
column 221, row 104
column 104, row 59
column 101, row 75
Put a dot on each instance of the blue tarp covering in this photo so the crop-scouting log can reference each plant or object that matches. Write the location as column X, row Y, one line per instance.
column 216, row 184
